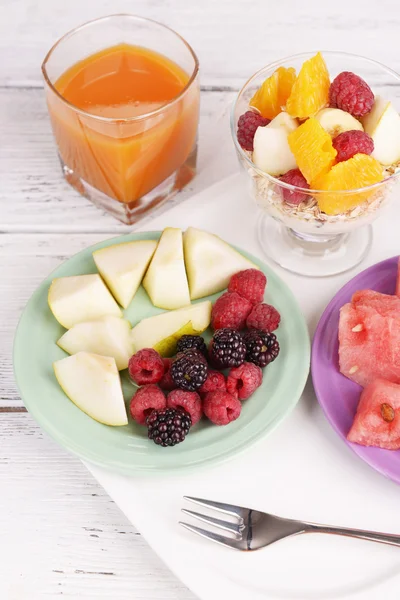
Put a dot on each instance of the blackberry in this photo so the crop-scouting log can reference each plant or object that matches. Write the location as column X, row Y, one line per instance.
column 262, row 347
column 189, row 370
column 169, row 426
column 227, row 349
column 189, row 342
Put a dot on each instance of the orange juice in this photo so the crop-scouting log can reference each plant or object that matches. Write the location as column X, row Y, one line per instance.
column 129, row 120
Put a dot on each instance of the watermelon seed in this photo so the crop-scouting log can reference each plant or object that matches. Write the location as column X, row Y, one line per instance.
column 358, row 328
column 387, row 412
column 353, row 370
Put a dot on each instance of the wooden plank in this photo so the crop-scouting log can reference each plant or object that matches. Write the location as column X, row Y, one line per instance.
column 62, row 534
column 232, row 39
column 35, row 197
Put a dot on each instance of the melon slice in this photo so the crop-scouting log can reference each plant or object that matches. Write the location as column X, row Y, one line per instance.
column 369, row 345
column 384, row 304
column 377, row 421
column 398, row 280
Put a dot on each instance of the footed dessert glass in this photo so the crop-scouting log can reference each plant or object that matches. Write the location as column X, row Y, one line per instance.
column 302, row 238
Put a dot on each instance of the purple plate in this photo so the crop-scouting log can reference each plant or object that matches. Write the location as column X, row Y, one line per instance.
column 337, row 395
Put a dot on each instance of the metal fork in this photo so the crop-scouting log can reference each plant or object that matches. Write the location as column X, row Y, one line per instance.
column 252, row 529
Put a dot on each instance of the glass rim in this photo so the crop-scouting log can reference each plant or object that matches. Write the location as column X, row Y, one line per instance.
column 136, row 118
column 276, row 180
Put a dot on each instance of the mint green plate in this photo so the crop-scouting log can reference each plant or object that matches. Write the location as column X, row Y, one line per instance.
column 127, row 449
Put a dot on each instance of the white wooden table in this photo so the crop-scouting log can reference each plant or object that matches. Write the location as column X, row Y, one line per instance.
column 61, row 535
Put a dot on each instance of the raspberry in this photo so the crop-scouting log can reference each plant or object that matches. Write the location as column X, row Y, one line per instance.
column 189, row 370
column 192, row 342
column 145, row 400
column 349, row 143
column 244, row 380
column 227, row 349
column 294, row 177
column 264, row 317
column 262, row 347
column 215, row 381
column 351, row 93
column 230, row 310
column 221, row 408
column 166, row 382
column 249, row 284
column 247, row 125
column 168, row 427
column 189, row 401
column 146, row 366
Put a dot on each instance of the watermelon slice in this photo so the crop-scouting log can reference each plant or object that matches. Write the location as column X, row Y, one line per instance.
column 369, row 344
column 384, row 304
column 398, row 280
column 377, row 421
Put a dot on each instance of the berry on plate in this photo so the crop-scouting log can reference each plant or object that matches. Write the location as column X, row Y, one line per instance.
column 168, row 427
column 262, row 347
column 189, row 401
column 146, row 366
column 247, row 126
column 230, row 310
column 294, row 197
column 243, row 381
column 145, row 400
column 249, row 284
column 263, row 317
column 189, row 342
column 377, row 421
column 215, row 381
column 351, row 93
column 349, row 143
column 221, row 408
column 227, row 349
column 189, row 370
column 166, row 382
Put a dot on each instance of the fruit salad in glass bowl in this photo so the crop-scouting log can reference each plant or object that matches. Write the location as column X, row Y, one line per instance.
column 320, row 149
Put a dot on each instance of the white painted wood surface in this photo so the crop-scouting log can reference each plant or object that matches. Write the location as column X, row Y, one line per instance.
column 60, row 533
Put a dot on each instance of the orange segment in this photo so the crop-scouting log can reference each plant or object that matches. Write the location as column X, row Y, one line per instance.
column 357, row 172
column 312, row 149
column 274, row 92
column 310, row 91
column 286, row 78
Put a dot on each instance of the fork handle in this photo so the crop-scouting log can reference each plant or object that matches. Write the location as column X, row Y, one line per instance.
column 372, row 536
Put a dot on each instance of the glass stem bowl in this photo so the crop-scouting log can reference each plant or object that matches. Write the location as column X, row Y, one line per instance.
column 301, row 237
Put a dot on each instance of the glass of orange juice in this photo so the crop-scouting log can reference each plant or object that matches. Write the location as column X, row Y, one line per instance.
column 123, row 97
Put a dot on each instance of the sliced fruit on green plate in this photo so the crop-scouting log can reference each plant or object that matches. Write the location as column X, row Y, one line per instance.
column 166, row 281
column 162, row 331
column 123, row 266
column 80, row 298
column 210, row 262
column 108, row 336
column 92, row 382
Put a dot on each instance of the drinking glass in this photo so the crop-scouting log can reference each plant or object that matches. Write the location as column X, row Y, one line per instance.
column 127, row 166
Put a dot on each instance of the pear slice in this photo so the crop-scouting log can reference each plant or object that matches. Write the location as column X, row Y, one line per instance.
column 210, row 262
column 336, row 121
column 162, row 332
column 80, row 298
column 92, row 382
column 272, row 153
column 108, row 336
column 123, row 266
column 166, row 281
column 383, row 125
